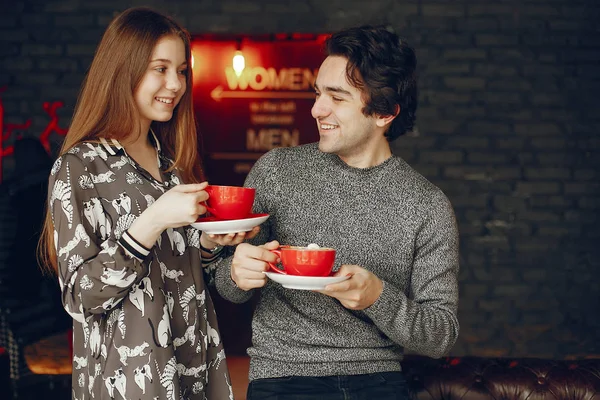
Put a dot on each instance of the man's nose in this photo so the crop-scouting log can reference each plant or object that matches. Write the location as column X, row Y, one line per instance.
column 320, row 109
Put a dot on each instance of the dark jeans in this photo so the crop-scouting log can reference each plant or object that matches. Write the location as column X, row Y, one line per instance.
column 380, row 386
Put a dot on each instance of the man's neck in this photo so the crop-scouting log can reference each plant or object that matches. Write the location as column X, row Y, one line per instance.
column 366, row 158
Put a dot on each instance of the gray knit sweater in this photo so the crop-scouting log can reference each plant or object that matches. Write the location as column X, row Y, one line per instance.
column 388, row 219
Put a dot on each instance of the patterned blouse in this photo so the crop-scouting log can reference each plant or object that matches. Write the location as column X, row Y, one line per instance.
column 144, row 325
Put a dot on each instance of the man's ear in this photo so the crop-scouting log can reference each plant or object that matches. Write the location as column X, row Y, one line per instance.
column 383, row 120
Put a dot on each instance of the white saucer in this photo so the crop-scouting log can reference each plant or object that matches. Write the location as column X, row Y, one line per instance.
column 214, row 226
column 304, row 282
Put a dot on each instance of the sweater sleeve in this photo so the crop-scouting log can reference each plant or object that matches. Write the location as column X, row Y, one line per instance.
column 426, row 321
column 96, row 270
column 257, row 178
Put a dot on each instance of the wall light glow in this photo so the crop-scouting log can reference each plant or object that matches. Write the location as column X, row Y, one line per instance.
column 239, row 63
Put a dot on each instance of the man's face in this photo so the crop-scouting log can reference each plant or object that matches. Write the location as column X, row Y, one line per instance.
column 343, row 128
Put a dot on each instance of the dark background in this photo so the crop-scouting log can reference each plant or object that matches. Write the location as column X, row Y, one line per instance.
column 507, row 127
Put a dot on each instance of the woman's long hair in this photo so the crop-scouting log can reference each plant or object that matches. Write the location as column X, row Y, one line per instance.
column 106, row 107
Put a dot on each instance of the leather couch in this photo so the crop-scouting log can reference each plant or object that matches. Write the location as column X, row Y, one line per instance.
column 478, row 378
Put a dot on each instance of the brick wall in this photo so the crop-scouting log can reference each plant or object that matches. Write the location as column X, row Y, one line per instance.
column 506, row 127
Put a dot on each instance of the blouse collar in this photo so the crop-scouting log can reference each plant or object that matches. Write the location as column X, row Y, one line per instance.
column 113, row 146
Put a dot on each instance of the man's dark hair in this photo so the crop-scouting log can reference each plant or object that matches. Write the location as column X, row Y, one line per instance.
column 382, row 66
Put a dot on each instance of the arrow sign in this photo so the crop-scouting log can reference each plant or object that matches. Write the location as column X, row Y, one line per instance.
column 218, row 93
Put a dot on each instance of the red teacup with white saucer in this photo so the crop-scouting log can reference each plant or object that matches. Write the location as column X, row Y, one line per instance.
column 230, row 202
column 304, row 261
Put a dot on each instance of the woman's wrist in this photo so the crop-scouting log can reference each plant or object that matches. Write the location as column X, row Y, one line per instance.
column 206, row 243
column 145, row 229
column 209, row 248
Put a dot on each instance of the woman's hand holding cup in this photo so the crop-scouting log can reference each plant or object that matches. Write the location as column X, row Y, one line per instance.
column 179, row 206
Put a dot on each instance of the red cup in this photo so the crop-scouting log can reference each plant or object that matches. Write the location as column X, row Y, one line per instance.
column 302, row 261
column 230, row 202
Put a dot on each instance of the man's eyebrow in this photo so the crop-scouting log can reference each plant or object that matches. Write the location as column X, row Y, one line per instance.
column 335, row 89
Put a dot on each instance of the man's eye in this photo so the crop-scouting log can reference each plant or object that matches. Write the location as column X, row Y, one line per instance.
column 337, row 98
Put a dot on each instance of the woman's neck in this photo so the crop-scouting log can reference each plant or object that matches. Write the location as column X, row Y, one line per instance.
column 144, row 153
column 138, row 143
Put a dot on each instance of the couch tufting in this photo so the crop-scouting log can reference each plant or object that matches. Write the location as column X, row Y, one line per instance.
column 478, row 378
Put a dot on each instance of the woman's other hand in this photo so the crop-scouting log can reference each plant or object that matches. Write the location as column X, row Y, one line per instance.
column 230, row 239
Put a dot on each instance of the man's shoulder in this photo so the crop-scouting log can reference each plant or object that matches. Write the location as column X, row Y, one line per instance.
column 415, row 184
column 297, row 151
column 290, row 154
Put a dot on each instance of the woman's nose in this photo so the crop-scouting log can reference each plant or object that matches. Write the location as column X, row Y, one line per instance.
column 173, row 82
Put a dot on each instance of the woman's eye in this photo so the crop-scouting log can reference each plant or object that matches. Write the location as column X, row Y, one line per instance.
column 161, row 69
column 183, row 72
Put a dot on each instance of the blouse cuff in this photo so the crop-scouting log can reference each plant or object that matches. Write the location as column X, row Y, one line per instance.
column 209, row 260
column 133, row 247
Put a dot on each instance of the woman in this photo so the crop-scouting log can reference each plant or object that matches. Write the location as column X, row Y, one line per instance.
column 117, row 231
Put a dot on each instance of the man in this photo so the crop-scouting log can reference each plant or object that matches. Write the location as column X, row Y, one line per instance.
column 394, row 232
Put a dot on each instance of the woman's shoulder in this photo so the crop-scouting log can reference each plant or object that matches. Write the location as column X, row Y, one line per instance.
column 88, row 151
column 84, row 154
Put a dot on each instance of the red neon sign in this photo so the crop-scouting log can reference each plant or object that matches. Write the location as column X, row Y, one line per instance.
column 7, row 130
column 243, row 115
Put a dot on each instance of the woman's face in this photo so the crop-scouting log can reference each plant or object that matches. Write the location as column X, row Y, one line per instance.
column 164, row 82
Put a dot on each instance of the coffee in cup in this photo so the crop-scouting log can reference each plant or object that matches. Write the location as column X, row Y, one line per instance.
column 304, row 261
column 230, row 202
